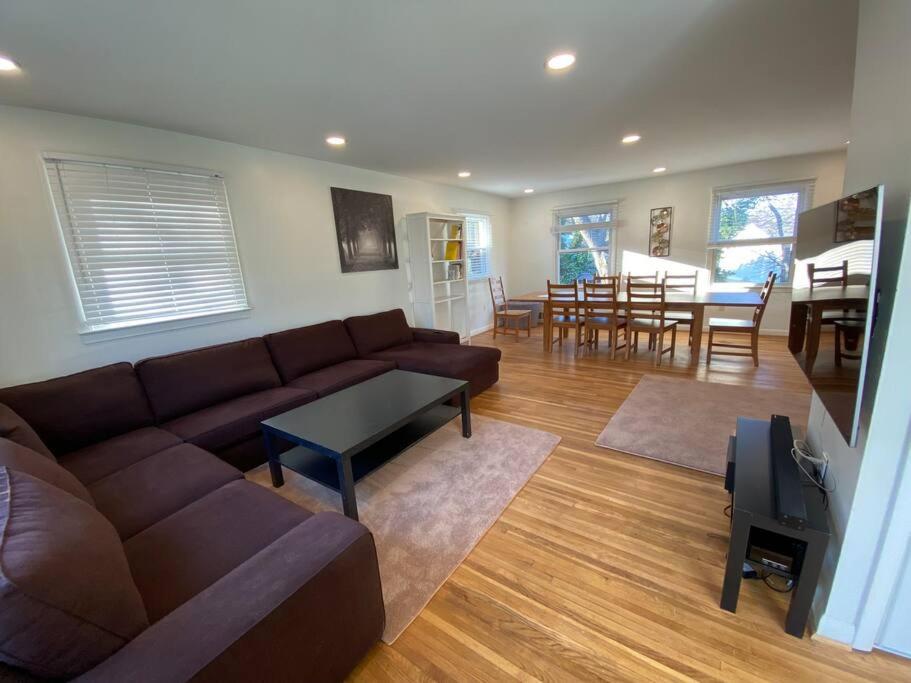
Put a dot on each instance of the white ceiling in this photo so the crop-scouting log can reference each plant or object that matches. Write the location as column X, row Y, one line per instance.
column 425, row 88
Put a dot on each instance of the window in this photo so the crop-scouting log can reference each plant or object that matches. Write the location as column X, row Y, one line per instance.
column 584, row 252
column 478, row 243
column 753, row 231
column 146, row 245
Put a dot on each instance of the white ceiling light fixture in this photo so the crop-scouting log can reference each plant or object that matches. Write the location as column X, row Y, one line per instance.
column 464, row 174
column 336, row 141
column 561, row 61
column 7, row 64
column 528, row 190
column 847, row 142
column 659, row 169
column 631, row 138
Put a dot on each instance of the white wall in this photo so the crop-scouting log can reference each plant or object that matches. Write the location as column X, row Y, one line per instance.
column 860, row 595
column 285, row 230
column 532, row 258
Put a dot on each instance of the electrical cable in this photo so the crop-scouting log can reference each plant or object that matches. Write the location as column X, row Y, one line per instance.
column 801, row 451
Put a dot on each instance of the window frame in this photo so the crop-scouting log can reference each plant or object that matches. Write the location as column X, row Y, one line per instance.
column 804, row 188
column 468, row 215
column 557, row 229
column 92, row 333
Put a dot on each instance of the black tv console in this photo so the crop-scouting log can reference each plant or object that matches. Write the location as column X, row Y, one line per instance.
column 778, row 518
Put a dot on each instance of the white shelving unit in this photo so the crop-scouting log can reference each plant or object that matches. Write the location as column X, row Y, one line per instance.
column 439, row 270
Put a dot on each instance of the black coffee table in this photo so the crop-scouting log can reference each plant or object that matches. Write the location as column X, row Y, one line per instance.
column 345, row 436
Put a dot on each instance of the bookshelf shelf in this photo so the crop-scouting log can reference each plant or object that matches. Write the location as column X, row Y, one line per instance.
column 439, row 287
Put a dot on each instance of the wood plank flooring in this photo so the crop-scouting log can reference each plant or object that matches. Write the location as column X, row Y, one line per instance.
column 608, row 566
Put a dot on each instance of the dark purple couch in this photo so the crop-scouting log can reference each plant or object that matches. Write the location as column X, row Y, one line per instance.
column 236, row 583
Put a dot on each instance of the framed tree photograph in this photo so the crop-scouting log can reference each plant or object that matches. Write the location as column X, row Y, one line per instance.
column 365, row 228
column 659, row 235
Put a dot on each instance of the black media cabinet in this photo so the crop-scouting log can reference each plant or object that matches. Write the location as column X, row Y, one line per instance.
column 756, row 530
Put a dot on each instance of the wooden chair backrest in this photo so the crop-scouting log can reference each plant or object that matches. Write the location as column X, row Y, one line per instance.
column 681, row 283
column 645, row 301
column 600, row 279
column 497, row 294
column 832, row 276
column 764, row 295
column 647, row 278
column 563, row 299
column 602, row 298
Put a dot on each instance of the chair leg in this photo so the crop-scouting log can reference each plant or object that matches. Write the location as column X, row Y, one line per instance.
column 613, row 340
column 754, row 342
column 837, row 347
column 495, row 322
column 673, row 340
column 629, row 346
column 659, row 347
column 708, row 353
column 635, row 341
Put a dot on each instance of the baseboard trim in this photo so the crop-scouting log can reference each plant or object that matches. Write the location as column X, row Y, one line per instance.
column 481, row 330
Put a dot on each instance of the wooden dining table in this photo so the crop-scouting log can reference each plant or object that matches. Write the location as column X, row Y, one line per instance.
column 807, row 308
column 675, row 301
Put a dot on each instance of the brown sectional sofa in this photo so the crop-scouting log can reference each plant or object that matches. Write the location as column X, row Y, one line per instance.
column 205, row 576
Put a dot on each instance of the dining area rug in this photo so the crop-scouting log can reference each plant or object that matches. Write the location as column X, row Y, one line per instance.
column 687, row 422
column 432, row 504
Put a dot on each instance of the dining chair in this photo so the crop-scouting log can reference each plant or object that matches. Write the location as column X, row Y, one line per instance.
column 564, row 311
column 833, row 276
column 645, row 312
column 602, row 311
column 682, row 284
column 732, row 325
column 501, row 312
column 642, row 279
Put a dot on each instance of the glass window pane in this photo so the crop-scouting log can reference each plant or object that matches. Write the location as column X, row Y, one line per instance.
column 762, row 217
column 583, row 264
column 588, row 218
column 585, row 239
column 752, row 264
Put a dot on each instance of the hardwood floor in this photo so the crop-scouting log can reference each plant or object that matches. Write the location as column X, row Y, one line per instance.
column 609, row 566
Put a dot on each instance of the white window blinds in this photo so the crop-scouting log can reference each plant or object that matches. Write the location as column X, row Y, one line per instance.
column 146, row 245
column 478, row 244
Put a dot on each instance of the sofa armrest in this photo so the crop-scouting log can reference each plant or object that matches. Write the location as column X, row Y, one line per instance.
column 307, row 607
column 423, row 334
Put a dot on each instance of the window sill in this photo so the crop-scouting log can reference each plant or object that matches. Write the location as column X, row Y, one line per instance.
column 97, row 336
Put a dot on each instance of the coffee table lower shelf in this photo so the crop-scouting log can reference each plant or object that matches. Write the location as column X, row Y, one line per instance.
column 323, row 470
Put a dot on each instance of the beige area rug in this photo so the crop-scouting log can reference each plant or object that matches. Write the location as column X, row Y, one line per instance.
column 430, row 506
column 687, row 423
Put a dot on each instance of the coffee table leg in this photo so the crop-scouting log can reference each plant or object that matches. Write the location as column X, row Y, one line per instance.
column 346, row 487
column 466, row 414
column 275, row 465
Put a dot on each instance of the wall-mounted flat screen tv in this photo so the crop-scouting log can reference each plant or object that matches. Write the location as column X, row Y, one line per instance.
column 834, row 302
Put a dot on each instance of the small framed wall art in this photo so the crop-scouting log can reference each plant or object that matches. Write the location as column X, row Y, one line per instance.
column 659, row 231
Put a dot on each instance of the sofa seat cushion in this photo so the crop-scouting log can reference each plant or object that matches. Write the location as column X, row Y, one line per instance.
column 186, row 382
column 379, row 331
column 342, row 375
column 187, row 552
column 146, row 492
column 67, row 598
column 22, row 459
column 477, row 364
column 306, row 349
column 14, row 428
column 96, row 462
column 75, row 411
column 231, row 422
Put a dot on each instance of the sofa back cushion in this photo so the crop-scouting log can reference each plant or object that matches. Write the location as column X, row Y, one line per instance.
column 16, row 429
column 78, row 410
column 372, row 333
column 306, row 349
column 67, row 598
column 18, row 457
column 183, row 383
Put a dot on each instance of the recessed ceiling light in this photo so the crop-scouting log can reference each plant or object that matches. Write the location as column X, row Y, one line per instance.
column 335, row 140
column 561, row 61
column 7, row 64
column 659, row 169
column 630, row 139
column 847, row 142
column 528, row 190
column 464, row 174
